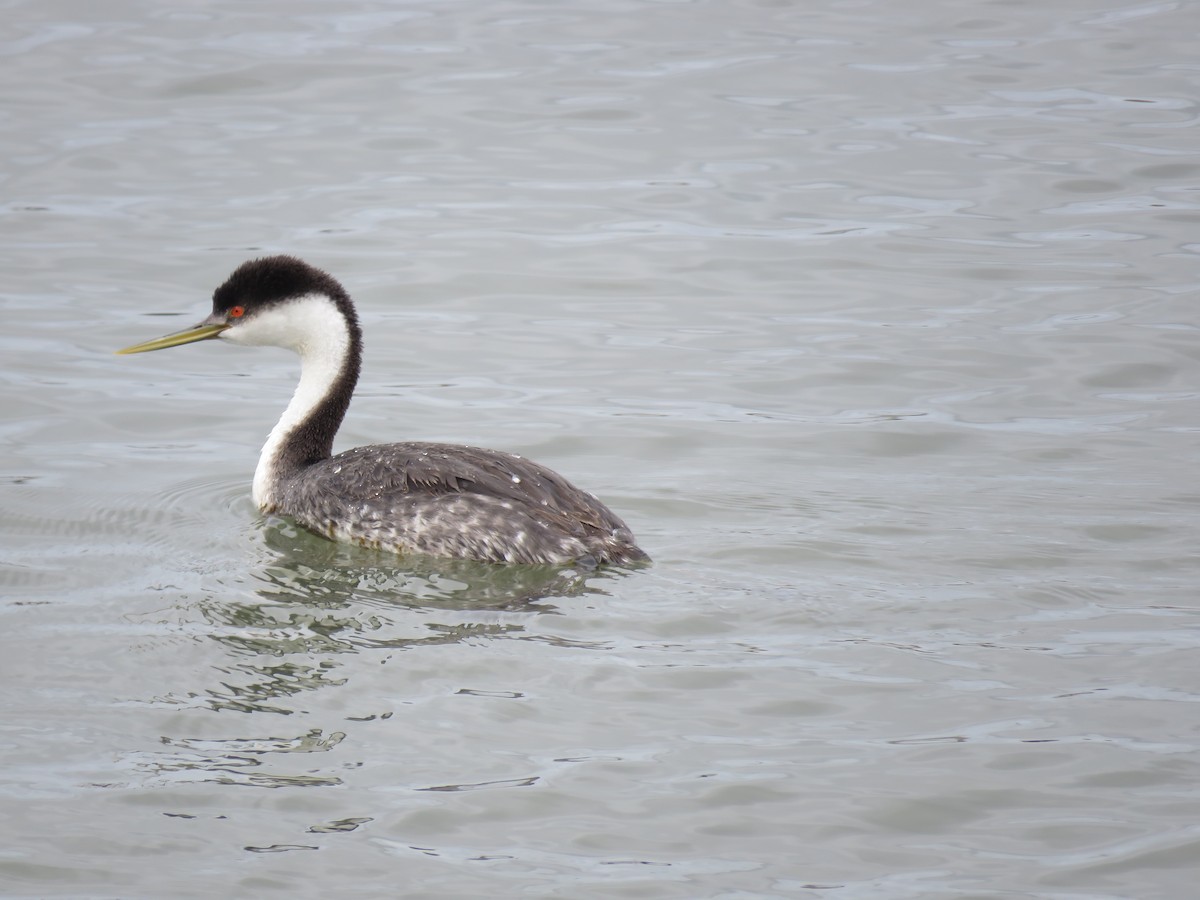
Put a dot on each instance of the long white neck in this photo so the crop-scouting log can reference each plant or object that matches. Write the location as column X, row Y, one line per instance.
column 318, row 371
column 316, row 329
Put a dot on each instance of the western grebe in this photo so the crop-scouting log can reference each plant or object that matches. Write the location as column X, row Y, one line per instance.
column 436, row 499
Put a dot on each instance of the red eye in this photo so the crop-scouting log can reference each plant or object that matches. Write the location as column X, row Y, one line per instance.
column 236, row 312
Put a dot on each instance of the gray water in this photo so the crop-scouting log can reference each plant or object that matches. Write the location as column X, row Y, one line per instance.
column 875, row 320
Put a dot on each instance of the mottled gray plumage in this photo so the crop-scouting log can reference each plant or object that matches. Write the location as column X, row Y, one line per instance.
column 453, row 501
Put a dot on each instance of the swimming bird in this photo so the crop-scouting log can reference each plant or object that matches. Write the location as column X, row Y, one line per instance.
column 436, row 499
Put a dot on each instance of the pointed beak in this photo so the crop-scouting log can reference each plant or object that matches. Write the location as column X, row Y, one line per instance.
column 206, row 330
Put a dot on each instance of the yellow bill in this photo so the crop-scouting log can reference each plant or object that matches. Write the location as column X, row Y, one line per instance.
column 202, row 332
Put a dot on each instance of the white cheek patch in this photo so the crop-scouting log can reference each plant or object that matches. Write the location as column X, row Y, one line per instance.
column 301, row 324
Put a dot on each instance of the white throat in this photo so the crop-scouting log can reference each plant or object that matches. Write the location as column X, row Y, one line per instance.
column 315, row 328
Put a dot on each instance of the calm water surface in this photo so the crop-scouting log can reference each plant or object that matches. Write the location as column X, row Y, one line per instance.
column 875, row 320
